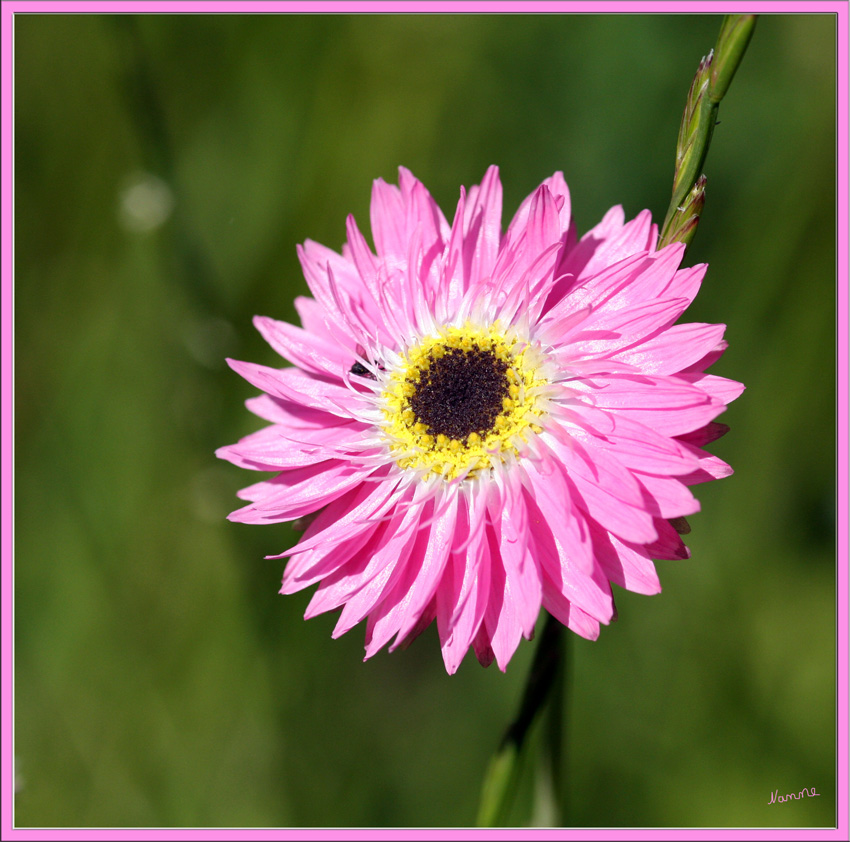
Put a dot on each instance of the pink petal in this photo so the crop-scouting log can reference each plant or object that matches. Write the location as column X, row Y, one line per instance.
column 292, row 384
column 605, row 490
column 591, row 592
column 673, row 349
column 609, row 242
column 382, row 572
column 560, row 193
column 441, row 540
column 418, row 287
column 686, row 282
column 524, row 295
column 708, row 360
column 576, row 258
column 704, row 435
column 482, row 227
column 304, row 349
column 336, row 586
column 666, row 404
column 553, row 509
column 709, row 467
column 386, row 215
column 472, row 519
column 291, row 414
column 530, row 234
column 415, row 270
column 387, row 617
column 319, row 559
column 521, row 573
column 482, row 647
column 462, row 598
column 452, row 283
column 317, row 264
column 425, row 619
column 626, row 565
column 298, row 492
column 354, row 512
column 720, row 388
column 634, row 445
column 588, row 293
column 502, row 624
column 608, row 509
column 565, row 612
column 606, row 331
column 359, row 583
column 421, row 211
column 408, row 595
column 307, row 569
column 669, row 544
column 668, row 497
column 278, row 447
column 637, row 235
column 358, row 251
column 655, row 277
column 316, row 320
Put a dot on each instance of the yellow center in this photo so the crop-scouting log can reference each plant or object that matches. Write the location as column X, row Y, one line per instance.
column 462, row 400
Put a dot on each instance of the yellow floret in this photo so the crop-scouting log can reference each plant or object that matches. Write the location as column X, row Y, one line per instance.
column 417, row 448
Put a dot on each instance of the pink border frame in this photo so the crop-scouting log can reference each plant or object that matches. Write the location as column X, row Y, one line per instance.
column 7, row 774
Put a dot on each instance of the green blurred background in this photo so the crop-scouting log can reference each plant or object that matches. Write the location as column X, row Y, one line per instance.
column 166, row 167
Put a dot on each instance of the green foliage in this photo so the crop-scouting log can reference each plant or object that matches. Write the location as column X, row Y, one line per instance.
column 712, row 80
column 160, row 678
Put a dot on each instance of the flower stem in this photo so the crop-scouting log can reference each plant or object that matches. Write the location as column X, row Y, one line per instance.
column 550, row 802
column 546, row 676
column 712, row 80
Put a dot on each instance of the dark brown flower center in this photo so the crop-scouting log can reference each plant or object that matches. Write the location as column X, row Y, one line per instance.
column 461, row 392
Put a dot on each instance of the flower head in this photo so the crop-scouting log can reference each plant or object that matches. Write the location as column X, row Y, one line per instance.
column 481, row 424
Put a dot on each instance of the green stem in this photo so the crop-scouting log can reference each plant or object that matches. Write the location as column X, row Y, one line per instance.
column 550, row 801
column 546, row 674
column 558, row 725
column 712, row 80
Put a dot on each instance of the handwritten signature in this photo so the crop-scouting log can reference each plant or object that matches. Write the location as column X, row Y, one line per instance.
column 775, row 797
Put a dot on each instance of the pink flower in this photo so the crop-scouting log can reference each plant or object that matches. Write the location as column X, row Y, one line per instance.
column 483, row 423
